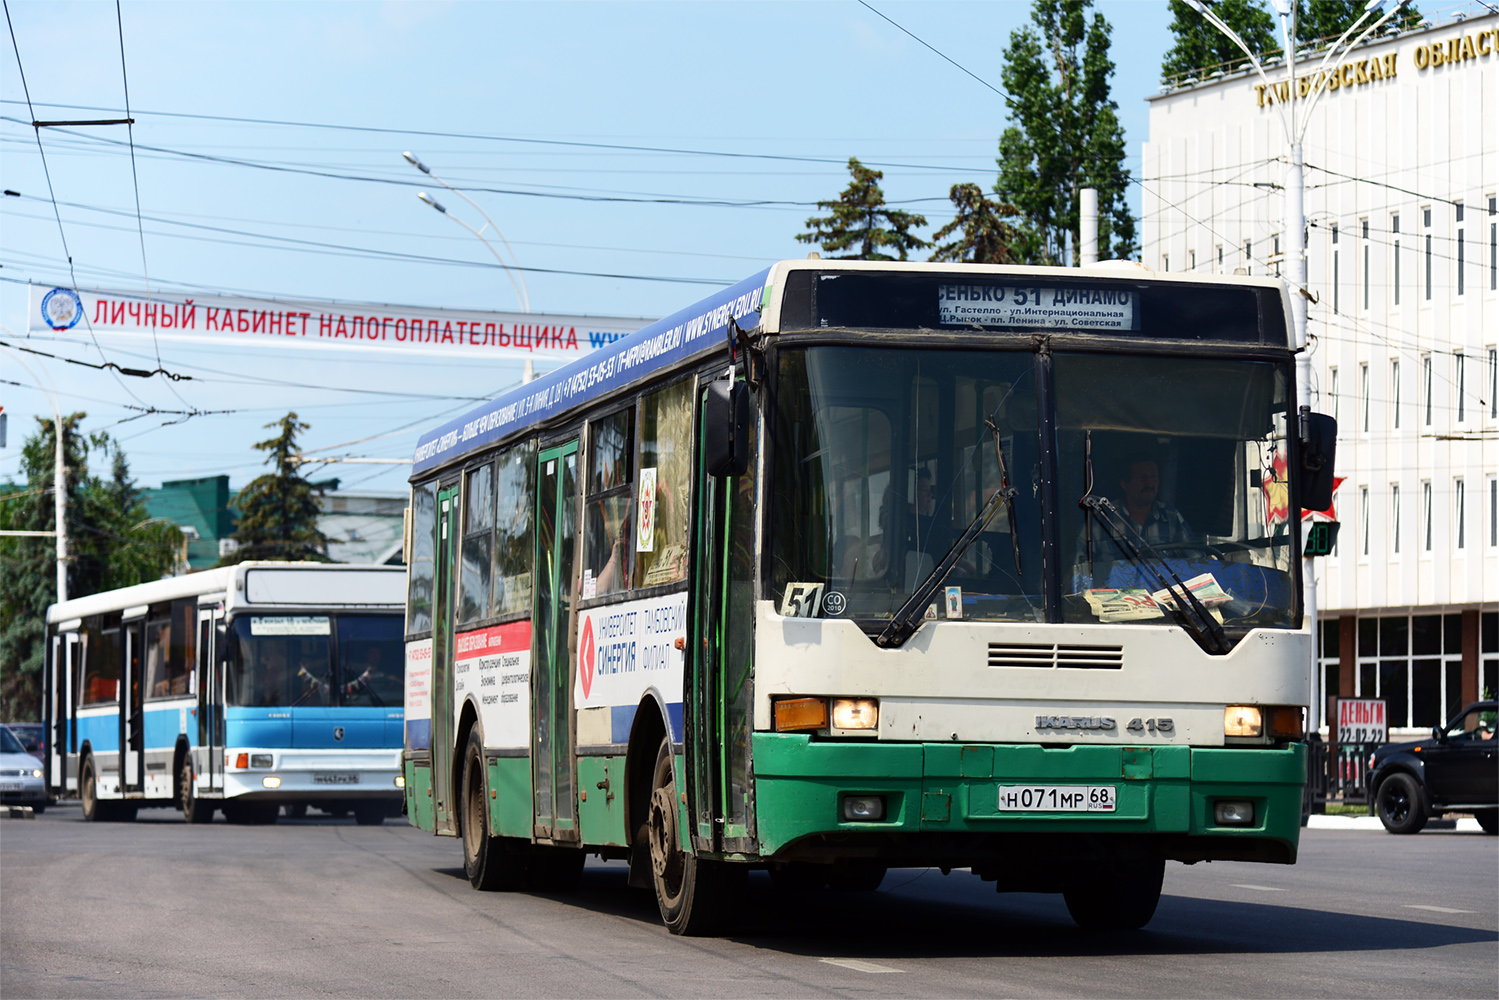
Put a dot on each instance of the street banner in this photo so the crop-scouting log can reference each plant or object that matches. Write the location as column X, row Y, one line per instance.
column 353, row 327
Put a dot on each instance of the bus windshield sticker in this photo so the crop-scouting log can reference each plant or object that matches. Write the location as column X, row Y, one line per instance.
column 954, row 602
column 645, row 514
column 1049, row 307
column 801, row 600
column 308, row 625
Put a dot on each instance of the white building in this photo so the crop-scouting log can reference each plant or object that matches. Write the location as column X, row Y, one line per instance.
column 1402, row 179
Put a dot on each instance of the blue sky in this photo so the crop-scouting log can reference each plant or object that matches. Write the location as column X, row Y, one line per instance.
column 536, row 100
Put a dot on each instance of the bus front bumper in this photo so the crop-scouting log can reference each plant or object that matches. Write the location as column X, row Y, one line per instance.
column 303, row 776
column 962, row 804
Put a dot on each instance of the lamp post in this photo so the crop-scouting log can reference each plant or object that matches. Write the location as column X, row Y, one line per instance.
column 59, row 480
column 1295, row 208
column 512, row 272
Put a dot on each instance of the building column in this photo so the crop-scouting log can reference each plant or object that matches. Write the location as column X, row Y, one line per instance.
column 1470, row 657
column 1347, row 655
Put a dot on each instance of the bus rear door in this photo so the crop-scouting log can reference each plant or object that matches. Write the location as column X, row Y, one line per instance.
column 555, row 815
column 132, row 710
column 444, row 754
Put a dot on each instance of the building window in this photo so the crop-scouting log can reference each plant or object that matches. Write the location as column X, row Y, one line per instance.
column 1248, row 258
column 1460, row 248
column 1363, row 392
column 1332, row 390
column 1413, row 662
column 1426, row 515
column 1459, row 510
column 1395, row 518
column 1165, row 262
column 1395, row 392
column 1336, row 289
column 1459, row 381
column 1220, row 258
column 1426, row 389
column 1395, row 229
column 1363, row 519
column 1426, row 226
column 1493, row 382
column 1365, row 229
column 1494, row 512
column 1192, row 260
column 1493, row 244
column 1275, row 254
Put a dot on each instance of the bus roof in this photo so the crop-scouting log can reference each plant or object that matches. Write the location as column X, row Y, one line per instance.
column 701, row 328
column 282, row 584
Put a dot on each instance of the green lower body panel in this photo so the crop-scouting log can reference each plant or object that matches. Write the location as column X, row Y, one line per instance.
column 942, row 800
column 510, row 796
column 419, row 810
column 601, row 800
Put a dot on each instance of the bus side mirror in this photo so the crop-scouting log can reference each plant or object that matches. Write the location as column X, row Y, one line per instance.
column 1314, row 477
column 726, row 417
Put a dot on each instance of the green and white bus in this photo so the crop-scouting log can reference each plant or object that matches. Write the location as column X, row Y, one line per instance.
column 860, row 565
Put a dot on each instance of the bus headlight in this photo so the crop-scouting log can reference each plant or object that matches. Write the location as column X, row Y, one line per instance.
column 261, row 760
column 1242, row 721
column 271, row 781
column 856, row 713
column 400, row 781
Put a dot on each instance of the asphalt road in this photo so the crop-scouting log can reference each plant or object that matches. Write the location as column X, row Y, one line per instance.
column 327, row 908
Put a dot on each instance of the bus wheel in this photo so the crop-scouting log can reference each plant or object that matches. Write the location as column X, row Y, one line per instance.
column 696, row 896
column 1118, row 897
column 491, row 863
column 194, row 809
column 94, row 811
column 295, row 810
column 369, row 813
column 856, row 875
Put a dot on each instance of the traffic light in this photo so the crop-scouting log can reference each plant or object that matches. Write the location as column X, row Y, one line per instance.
column 1321, row 536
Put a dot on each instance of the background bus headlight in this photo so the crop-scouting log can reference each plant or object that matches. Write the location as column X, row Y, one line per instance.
column 856, row 713
column 271, row 781
column 1242, row 720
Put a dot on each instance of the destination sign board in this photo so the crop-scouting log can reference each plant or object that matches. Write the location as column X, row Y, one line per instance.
column 1054, row 306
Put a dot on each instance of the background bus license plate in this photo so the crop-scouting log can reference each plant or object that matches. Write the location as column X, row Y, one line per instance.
column 1056, row 798
column 334, row 778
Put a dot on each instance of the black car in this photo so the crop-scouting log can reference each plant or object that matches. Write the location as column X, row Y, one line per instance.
column 1457, row 770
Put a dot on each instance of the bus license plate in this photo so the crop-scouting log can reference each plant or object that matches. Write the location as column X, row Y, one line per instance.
column 334, row 778
column 1056, row 798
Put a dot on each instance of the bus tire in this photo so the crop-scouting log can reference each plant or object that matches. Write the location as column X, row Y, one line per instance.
column 1118, row 897
column 1399, row 804
column 94, row 811
column 856, row 875
column 295, row 810
column 369, row 813
column 194, row 809
column 491, row 863
column 696, row 896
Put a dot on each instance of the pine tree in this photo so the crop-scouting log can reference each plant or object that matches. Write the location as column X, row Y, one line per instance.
column 1200, row 46
column 1065, row 134
column 278, row 512
column 859, row 221
column 112, row 542
column 986, row 237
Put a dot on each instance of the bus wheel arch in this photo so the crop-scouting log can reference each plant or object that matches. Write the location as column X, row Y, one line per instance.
column 646, row 732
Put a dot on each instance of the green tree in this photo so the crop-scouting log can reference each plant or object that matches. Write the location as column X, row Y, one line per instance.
column 1065, row 133
column 1200, row 46
column 986, row 238
column 278, row 512
column 859, row 221
column 1328, row 19
column 112, row 542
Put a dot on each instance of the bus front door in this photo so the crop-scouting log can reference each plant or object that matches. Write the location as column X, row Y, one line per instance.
column 720, row 660
column 132, row 711
column 208, row 760
column 444, row 754
column 551, row 679
column 59, row 701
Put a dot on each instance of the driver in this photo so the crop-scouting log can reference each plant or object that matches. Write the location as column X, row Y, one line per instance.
column 1150, row 520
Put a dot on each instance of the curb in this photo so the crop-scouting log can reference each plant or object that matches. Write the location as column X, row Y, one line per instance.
column 1465, row 824
column 17, row 812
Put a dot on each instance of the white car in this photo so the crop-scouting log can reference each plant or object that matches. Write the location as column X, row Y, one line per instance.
column 20, row 774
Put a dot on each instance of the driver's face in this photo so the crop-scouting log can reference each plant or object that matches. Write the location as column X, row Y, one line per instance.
column 1142, row 484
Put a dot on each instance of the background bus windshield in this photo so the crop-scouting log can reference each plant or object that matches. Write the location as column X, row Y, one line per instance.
column 285, row 661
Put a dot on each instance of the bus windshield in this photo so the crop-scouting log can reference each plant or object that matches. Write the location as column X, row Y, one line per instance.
column 884, row 457
column 289, row 661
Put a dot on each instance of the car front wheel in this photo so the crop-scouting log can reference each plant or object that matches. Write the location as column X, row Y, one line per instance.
column 1400, row 805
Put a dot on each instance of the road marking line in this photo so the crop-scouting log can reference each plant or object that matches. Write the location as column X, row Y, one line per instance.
column 1257, row 888
column 858, row 965
column 1434, row 909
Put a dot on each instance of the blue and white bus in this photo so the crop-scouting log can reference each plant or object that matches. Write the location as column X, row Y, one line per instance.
column 242, row 689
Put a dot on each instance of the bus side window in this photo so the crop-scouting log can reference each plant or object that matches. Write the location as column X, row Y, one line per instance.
column 609, row 539
column 664, row 485
column 515, row 502
column 421, row 560
column 477, row 553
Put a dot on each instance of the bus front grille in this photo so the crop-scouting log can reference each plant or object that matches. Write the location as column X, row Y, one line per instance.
column 1055, row 654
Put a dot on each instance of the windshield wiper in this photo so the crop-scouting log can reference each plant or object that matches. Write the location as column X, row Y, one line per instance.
column 906, row 620
column 1202, row 625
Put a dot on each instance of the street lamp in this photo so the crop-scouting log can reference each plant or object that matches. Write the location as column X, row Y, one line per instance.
column 1295, row 187
column 512, row 272
column 59, row 479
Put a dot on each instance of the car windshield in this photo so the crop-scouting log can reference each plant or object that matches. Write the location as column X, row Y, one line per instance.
column 1477, row 723
column 9, row 743
column 288, row 661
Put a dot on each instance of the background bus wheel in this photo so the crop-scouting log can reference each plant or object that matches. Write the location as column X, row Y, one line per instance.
column 94, row 811
column 491, row 863
column 1399, row 804
column 1488, row 820
column 194, row 809
column 295, row 810
column 369, row 813
column 696, row 896
column 1120, row 897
